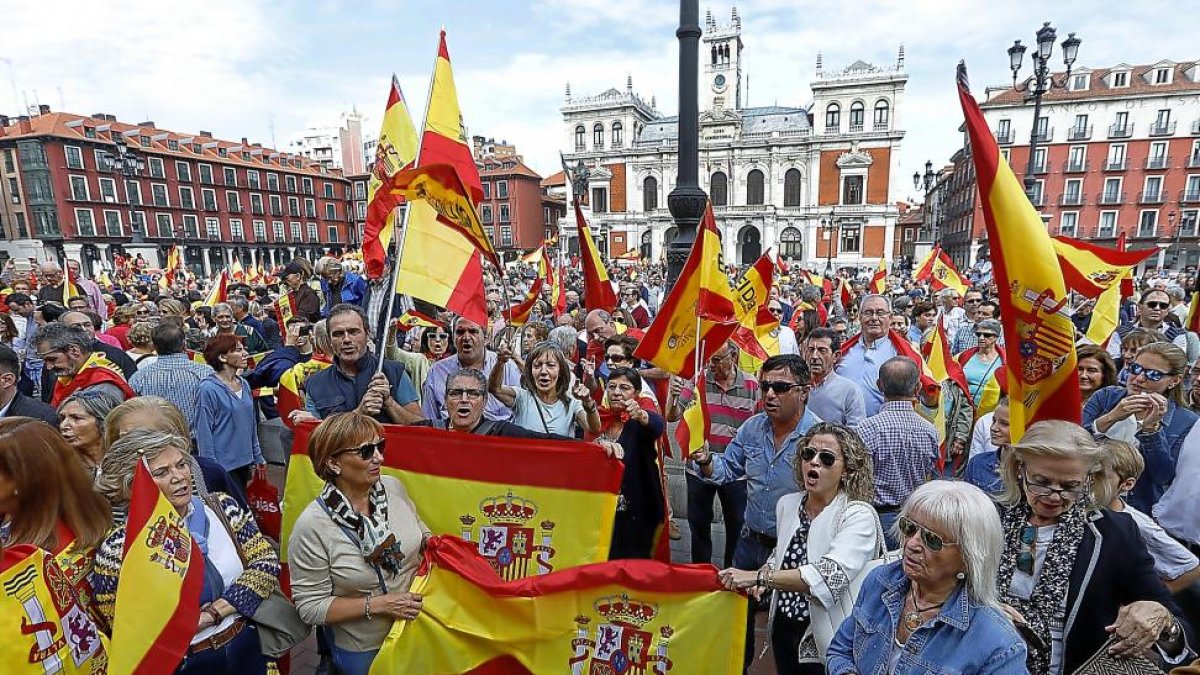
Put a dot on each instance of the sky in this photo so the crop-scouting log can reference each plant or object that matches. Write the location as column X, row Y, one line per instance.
column 268, row 69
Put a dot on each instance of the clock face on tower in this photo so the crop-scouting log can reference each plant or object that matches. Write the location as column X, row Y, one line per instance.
column 719, row 82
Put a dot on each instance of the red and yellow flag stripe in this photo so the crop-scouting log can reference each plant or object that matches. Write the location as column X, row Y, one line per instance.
column 397, row 149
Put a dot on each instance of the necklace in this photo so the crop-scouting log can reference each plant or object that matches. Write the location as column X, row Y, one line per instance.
column 914, row 619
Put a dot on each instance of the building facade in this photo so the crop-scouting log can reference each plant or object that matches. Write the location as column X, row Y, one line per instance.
column 340, row 147
column 511, row 209
column 215, row 199
column 1118, row 152
column 811, row 183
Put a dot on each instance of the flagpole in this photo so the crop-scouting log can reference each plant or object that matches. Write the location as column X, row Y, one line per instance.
column 403, row 226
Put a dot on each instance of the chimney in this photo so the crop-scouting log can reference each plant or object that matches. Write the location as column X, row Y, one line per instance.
column 43, row 109
column 23, row 125
column 244, row 141
column 206, row 134
column 148, row 124
column 4, row 121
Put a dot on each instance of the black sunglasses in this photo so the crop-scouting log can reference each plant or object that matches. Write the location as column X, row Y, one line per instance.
column 932, row 540
column 1157, row 305
column 985, row 335
column 778, row 387
column 367, row 450
column 827, row 458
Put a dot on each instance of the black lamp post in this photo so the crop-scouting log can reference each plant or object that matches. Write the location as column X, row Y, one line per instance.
column 686, row 202
column 924, row 183
column 1041, row 82
column 829, row 225
column 124, row 163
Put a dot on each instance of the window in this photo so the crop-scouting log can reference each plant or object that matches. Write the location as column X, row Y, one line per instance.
column 791, row 187
column 13, row 189
column 791, row 243
column 1112, row 191
column 137, row 222
column 329, row 190
column 260, row 230
column 183, row 171
column 852, row 189
column 580, row 138
column 133, row 192
column 10, row 164
column 851, row 238
column 290, row 182
column 360, row 189
column 1072, row 192
column 277, row 230
column 272, row 181
column 857, row 116
column 208, row 198
column 158, row 193
column 212, row 228
column 79, row 189
column 276, row 205
column 649, row 194
column 1107, row 227
column 1187, row 224
column 165, row 227
column 882, row 113
column 1116, row 156
column 833, row 117
column 206, row 174
column 296, row 233
column 187, row 198
column 1076, row 158
column 306, row 184
column 331, row 233
column 1120, row 79
column 599, row 200
column 293, row 206
column 1147, row 224
column 236, row 231
column 618, row 135
column 598, row 136
column 112, row 224
column 1037, row 194
column 1067, row 223
column 1120, row 123
column 1041, row 128
column 74, row 158
column 485, row 214
column 506, row 236
column 231, row 176
column 108, row 190
column 505, row 217
column 252, row 179
column 310, row 208
column 1152, row 189
column 719, row 189
column 256, row 204
column 1004, row 131
column 1079, row 82
column 1162, row 76
column 1039, row 160
column 487, row 189
column 312, row 232
column 360, row 210
column 754, row 187
column 501, row 189
column 1191, row 193
column 191, row 226
column 330, row 212
column 156, row 167
column 85, row 225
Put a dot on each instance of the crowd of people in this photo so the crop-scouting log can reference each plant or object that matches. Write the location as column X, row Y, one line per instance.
column 885, row 522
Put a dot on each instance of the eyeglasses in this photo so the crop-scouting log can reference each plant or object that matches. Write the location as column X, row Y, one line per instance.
column 439, row 336
column 1026, row 557
column 1045, row 489
column 473, row 394
column 932, row 540
column 44, row 355
column 1156, row 305
column 985, row 335
column 777, row 311
column 973, row 301
column 874, row 312
column 615, row 358
column 778, row 387
column 1152, row 374
column 827, row 458
column 367, row 450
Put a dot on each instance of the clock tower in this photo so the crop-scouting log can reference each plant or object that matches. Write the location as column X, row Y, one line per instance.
column 722, row 55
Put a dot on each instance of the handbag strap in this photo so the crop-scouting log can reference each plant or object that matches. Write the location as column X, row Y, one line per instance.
column 538, row 404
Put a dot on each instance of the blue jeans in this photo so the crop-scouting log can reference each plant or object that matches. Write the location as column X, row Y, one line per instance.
column 751, row 554
column 700, row 516
column 346, row 662
column 242, row 655
column 888, row 519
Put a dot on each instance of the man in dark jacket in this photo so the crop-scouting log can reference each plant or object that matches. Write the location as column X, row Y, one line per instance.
column 12, row 402
column 338, row 285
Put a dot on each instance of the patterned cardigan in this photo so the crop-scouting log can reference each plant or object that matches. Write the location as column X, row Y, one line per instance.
column 259, row 577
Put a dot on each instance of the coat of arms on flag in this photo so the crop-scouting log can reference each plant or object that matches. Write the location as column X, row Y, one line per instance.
column 625, row 642
column 515, row 546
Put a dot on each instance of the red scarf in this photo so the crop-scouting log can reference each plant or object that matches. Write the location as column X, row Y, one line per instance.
column 95, row 370
column 903, row 347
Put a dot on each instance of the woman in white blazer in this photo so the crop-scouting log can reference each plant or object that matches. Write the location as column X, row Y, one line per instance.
column 828, row 533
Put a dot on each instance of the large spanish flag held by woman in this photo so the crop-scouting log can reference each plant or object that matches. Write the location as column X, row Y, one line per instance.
column 396, row 150
column 1040, row 345
column 622, row 617
column 158, row 596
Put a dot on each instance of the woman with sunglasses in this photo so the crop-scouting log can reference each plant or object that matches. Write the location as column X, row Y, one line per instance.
column 982, row 363
column 1149, row 413
column 630, row 431
column 936, row 610
column 1075, row 574
column 356, row 547
column 827, row 534
column 436, row 344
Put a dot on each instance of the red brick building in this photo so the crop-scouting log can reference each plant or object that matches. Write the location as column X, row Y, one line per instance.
column 511, row 209
column 216, row 199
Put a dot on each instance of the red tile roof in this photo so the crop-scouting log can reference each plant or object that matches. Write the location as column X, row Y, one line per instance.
column 1098, row 87
column 496, row 167
column 559, row 178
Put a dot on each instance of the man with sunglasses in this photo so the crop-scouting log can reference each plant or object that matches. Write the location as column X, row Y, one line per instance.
column 633, row 303
column 1153, row 308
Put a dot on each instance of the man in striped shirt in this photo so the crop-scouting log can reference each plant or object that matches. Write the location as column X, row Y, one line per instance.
column 732, row 396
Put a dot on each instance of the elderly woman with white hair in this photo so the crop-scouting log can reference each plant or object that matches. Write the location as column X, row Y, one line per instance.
column 936, row 610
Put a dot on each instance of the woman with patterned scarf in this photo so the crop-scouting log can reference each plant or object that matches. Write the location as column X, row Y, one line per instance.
column 240, row 567
column 1077, row 575
column 355, row 549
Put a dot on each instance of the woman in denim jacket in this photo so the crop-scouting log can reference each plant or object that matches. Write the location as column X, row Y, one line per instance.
column 936, row 609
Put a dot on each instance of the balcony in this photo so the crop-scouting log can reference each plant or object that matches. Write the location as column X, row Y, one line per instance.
column 856, row 128
column 1079, row 133
column 1040, row 167
column 1072, row 199
column 276, row 211
column 1151, row 197
column 1116, row 165
column 1158, row 162
column 1120, row 130
column 1186, row 197
column 1163, row 128
column 1076, row 167
column 210, row 206
column 1004, row 137
column 1107, row 198
column 235, row 208
column 1043, row 135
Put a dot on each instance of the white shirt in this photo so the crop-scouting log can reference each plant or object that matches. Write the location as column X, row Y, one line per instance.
column 981, row 436
column 223, row 553
column 787, row 341
column 1176, row 509
column 1171, row 559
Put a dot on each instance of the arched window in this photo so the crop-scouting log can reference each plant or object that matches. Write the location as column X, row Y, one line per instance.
column 754, row 187
column 857, row 115
column 598, row 136
column 649, row 194
column 882, row 111
column 618, row 135
column 791, row 187
column 714, row 55
column 580, row 138
column 718, row 189
column 791, row 243
column 833, row 117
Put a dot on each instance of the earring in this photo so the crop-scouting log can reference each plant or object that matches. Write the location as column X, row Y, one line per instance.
column 960, row 576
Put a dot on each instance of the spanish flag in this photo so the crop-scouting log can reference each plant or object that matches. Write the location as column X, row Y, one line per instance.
column 1096, row 272
column 535, row 256
column 236, row 271
column 440, row 264
column 878, row 283
column 219, row 291
column 528, row 506
column 518, row 314
column 597, row 288
column 96, row 369
column 396, row 150
column 757, row 334
column 285, row 309
column 940, row 270
column 46, row 627
column 289, row 396
column 1040, row 338
column 693, row 429
column 943, row 368
column 629, row 616
column 1193, row 316
column 414, row 318
column 440, row 186
column 558, row 295
column 158, row 595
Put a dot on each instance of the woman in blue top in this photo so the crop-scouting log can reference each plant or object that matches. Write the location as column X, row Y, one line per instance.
column 936, row 610
column 226, row 425
column 983, row 362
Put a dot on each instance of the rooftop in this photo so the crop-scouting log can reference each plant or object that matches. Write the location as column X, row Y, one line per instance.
column 1184, row 77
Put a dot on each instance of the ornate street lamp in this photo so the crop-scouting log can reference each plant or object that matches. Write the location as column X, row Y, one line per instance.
column 925, row 183
column 829, row 225
column 1042, row 81
column 686, row 202
column 125, row 163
